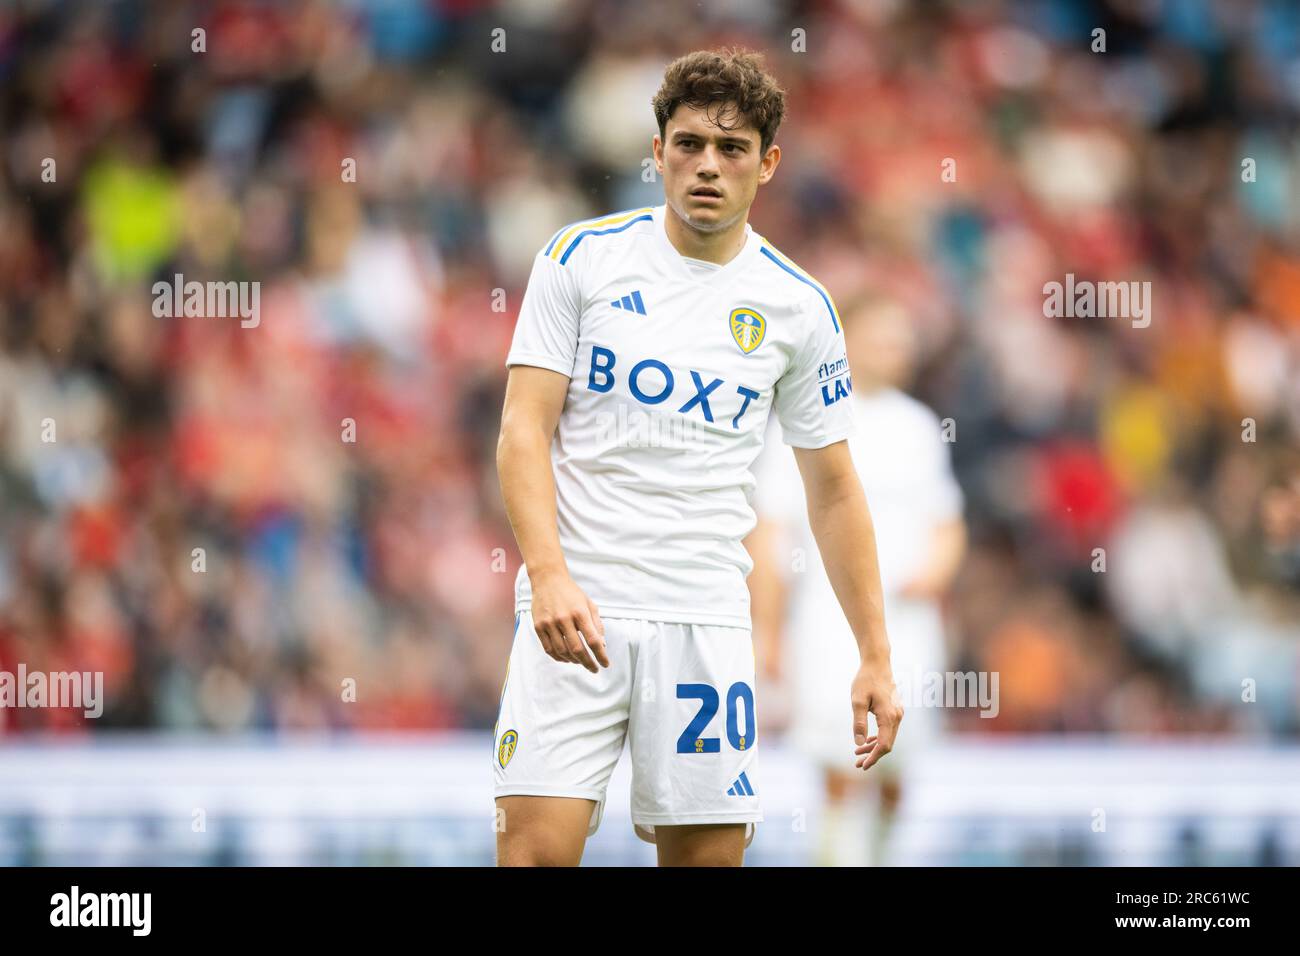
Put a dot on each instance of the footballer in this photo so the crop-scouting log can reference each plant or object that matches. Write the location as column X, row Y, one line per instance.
column 632, row 619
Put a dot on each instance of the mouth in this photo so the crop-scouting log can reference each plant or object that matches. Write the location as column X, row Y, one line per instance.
column 706, row 193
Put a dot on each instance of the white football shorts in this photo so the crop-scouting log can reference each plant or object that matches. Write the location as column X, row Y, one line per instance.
column 681, row 694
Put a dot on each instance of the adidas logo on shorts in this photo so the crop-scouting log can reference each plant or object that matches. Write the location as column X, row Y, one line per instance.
column 741, row 788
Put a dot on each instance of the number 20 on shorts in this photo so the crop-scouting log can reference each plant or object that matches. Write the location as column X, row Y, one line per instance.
column 690, row 742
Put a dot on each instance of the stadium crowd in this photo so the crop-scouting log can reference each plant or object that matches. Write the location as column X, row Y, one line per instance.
column 236, row 523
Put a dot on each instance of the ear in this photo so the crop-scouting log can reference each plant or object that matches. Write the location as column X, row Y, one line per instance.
column 657, row 151
column 767, row 166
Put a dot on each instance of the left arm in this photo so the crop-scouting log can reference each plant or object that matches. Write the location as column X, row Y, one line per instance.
column 841, row 524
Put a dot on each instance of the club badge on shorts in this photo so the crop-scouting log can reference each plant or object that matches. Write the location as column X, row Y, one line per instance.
column 507, row 749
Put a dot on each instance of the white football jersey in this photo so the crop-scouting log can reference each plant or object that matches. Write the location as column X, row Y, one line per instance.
column 672, row 374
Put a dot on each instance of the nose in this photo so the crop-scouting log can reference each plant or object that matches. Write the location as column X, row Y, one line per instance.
column 709, row 162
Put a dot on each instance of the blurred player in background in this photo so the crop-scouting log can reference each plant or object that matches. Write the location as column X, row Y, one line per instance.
column 799, row 631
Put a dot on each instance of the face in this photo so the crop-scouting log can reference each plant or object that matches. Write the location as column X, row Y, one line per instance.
column 711, row 174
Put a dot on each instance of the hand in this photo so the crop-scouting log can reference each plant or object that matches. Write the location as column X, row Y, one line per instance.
column 874, row 691
column 563, row 617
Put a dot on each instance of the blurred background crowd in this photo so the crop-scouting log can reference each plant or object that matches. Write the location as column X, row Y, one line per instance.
column 388, row 560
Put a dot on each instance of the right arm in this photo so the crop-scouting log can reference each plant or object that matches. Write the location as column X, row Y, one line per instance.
column 562, row 614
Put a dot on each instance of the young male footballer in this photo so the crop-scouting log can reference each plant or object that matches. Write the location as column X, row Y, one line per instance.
column 677, row 321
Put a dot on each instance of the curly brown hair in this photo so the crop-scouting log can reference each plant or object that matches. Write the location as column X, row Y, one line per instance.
column 732, row 75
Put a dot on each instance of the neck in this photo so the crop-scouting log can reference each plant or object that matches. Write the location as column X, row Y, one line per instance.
column 720, row 246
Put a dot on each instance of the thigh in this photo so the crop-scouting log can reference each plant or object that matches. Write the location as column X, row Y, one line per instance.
column 693, row 729
column 542, row 831
column 560, row 729
column 716, row 844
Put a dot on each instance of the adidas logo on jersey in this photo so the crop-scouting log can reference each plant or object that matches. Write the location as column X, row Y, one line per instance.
column 741, row 788
column 632, row 303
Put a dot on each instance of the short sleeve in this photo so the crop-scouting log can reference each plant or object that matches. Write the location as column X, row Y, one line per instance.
column 546, row 334
column 812, row 397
